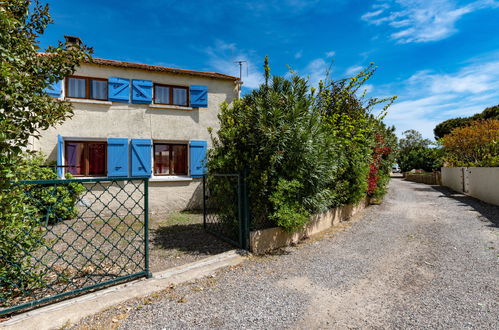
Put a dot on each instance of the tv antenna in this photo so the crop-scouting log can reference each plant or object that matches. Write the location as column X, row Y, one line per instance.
column 241, row 69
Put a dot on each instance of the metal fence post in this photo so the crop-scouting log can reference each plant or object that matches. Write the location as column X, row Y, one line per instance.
column 146, row 227
column 204, row 201
column 245, row 218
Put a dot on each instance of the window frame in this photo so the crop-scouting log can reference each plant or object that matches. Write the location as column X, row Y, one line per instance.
column 170, row 158
column 87, row 88
column 86, row 158
column 171, row 94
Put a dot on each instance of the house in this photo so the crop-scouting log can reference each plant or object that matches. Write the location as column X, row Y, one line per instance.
column 134, row 120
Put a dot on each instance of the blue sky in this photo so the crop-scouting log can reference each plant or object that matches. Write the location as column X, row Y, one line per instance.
column 440, row 57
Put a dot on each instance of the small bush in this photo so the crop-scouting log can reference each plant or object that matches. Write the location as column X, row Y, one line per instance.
column 22, row 227
column 53, row 202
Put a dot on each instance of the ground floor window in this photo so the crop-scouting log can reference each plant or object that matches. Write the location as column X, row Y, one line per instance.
column 86, row 158
column 170, row 159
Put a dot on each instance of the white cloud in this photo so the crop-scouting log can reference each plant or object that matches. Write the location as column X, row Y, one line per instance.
column 222, row 57
column 423, row 20
column 316, row 71
column 330, row 54
column 299, row 54
column 353, row 70
column 427, row 98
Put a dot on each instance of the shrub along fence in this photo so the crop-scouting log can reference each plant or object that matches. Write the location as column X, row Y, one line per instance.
column 75, row 235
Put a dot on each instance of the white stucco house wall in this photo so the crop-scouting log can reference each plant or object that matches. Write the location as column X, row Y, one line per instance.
column 133, row 120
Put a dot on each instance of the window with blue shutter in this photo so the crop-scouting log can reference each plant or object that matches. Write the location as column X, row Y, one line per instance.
column 141, row 157
column 199, row 96
column 141, row 91
column 60, row 148
column 117, row 157
column 119, row 89
column 54, row 89
column 197, row 158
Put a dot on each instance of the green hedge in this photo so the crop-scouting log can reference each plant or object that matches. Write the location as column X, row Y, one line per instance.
column 305, row 150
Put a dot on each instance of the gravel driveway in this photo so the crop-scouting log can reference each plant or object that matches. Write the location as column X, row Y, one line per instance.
column 425, row 258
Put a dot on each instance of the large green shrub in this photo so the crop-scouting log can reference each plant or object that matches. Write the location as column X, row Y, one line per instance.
column 304, row 152
column 276, row 135
column 53, row 202
column 347, row 114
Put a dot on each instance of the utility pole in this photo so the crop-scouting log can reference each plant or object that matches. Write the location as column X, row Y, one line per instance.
column 241, row 74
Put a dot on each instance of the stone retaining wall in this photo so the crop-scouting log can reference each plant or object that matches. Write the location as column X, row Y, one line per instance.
column 265, row 240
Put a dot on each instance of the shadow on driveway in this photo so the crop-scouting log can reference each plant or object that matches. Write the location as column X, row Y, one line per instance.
column 488, row 211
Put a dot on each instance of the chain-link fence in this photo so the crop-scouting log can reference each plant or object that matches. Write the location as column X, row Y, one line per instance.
column 73, row 236
column 225, row 210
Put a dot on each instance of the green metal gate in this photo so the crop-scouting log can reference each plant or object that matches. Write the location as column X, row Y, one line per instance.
column 75, row 235
column 225, row 208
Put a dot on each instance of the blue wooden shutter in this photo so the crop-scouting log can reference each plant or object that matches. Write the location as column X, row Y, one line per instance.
column 199, row 96
column 197, row 158
column 141, row 91
column 141, row 157
column 117, row 157
column 54, row 89
column 119, row 89
column 60, row 148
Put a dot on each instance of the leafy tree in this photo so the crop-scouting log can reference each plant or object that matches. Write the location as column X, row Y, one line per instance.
column 25, row 109
column 426, row 159
column 415, row 152
column 412, row 140
column 447, row 126
column 474, row 145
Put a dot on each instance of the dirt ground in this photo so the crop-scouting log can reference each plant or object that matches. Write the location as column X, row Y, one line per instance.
column 179, row 238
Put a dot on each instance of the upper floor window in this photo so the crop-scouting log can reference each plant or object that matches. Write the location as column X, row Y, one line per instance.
column 171, row 95
column 86, row 88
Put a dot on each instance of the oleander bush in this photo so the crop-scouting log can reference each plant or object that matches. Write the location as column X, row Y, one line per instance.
column 304, row 150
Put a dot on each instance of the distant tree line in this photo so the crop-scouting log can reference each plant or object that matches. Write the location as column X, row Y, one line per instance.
column 447, row 126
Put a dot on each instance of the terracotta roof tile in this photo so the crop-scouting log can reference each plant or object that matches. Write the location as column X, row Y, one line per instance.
column 148, row 67
column 132, row 65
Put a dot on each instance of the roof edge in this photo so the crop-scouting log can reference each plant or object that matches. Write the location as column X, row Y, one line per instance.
column 157, row 68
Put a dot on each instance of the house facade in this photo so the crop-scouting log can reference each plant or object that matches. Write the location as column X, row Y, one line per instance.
column 134, row 120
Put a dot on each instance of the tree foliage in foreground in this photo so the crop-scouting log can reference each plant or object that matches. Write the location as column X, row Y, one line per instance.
column 25, row 110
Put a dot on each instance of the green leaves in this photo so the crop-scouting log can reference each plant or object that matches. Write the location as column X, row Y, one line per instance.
column 306, row 152
column 25, row 110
